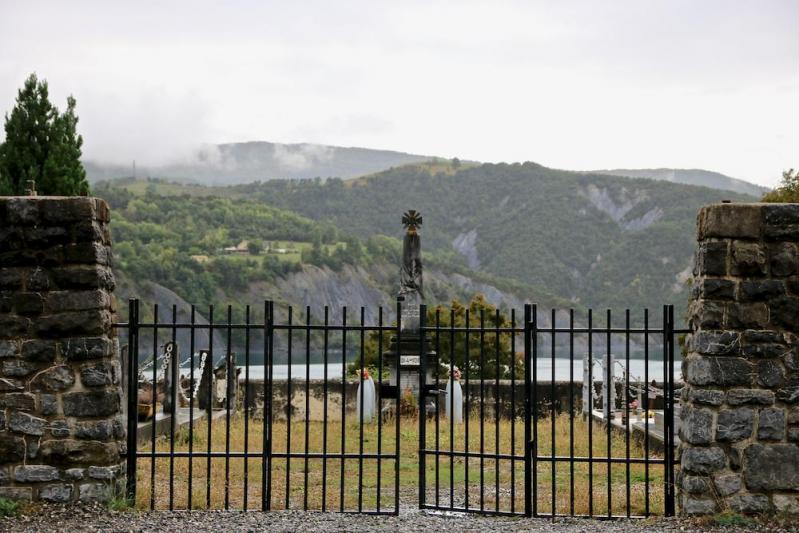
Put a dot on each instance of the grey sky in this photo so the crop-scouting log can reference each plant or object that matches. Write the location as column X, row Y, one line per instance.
column 577, row 85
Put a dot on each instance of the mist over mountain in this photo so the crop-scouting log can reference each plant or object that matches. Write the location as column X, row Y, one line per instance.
column 229, row 164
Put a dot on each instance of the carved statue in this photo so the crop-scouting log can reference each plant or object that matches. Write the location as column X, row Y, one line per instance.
column 411, row 271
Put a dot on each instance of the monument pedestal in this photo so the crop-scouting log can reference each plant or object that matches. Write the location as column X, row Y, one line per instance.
column 410, row 361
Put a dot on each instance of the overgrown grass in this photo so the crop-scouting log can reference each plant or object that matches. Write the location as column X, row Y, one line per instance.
column 730, row 519
column 317, row 484
column 8, row 507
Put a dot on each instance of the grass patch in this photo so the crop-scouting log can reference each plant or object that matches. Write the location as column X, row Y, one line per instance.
column 120, row 504
column 494, row 482
column 730, row 519
column 8, row 507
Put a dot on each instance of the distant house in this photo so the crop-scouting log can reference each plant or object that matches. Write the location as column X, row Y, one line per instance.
column 201, row 258
column 240, row 248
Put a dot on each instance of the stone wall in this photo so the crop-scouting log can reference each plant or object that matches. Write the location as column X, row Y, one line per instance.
column 740, row 414
column 61, row 424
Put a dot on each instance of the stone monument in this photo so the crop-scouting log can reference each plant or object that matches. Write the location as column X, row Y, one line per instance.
column 410, row 297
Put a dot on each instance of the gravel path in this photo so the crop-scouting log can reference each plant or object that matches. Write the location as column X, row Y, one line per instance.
column 97, row 518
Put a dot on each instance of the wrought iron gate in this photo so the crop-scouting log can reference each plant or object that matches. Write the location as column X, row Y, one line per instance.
column 521, row 444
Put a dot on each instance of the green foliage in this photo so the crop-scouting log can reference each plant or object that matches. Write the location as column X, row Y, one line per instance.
column 731, row 519
column 788, row 191
column 41, row 145
column 496, row 355
column 255, row 246
column 155, row 237
column 8, row 507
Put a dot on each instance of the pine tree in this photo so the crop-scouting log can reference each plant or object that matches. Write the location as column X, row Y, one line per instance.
column 41, row 145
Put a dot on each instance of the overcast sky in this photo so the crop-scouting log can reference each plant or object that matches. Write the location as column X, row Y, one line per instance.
column 576, row 85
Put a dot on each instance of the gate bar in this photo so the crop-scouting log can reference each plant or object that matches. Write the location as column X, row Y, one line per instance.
column 133, row 396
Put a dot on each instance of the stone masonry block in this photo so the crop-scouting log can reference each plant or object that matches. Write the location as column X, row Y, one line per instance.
column 771, row 424
column 703, row 460
column 784, row 259
column 696, row 425
column 750, row 396
column 738, row 221
column 734, row 424
column 24, row 423
column 711, row 259
column 94, row 403
column 716, row 342
column 771, row 467
column 760, row 290
column 747, row 259
column 723, row 371
column 714, row 289
column 747, row 315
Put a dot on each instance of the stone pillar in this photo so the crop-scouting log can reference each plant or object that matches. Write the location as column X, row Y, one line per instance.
column 62, row 434
column 740, row 403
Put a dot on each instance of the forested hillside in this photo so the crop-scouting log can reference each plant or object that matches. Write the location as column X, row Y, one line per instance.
column 176, row 248
column 594, row 239
column 588, row 239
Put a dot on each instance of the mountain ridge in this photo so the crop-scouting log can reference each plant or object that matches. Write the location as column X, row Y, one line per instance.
column 243, row 162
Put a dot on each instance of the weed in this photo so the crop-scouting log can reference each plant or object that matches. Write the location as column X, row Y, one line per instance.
column 731, row 519
column 8, row 507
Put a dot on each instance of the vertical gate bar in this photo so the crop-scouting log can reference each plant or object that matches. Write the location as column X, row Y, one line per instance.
column 155, row 406
column 482, row 408
column 289, row 339
column 534, row 393
column 590, row 413
column 324, row 414
column 397, row 417
column 264, row 467
column 513, row 411
column 467, row 405
column 343, row 404
column 209, row 372
column 174, row 382
column 610, row 406
column 270, row 360
column 553, row 413
column 571, row 412
column 360, row 426
column 528, row 489
column 671, row 412
column 133, row 400
column 228, row 390
column 626, row 397
column 246, row 404
column 307, row 401
column 666, row 442
column 423, row 408
column 192, row 389
column 496, row 410
column 422, row 413
column 646, row 412
column 380, row 404
column 451, row 408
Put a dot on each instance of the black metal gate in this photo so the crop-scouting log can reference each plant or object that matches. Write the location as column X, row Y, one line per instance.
column 523, row 446
column 291, row 431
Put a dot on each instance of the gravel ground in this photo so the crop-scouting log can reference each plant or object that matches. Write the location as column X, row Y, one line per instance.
column 98, row 518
